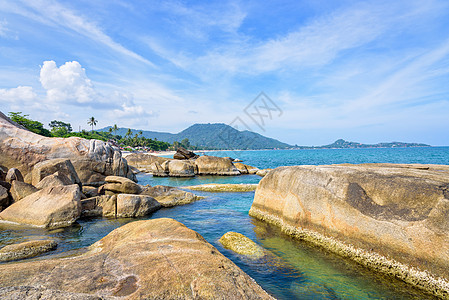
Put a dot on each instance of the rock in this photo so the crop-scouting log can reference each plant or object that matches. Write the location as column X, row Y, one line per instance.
column 388, row 217
column 241, row 167
column 4, row 198
column 152, row 259
column 180, row 168
column 90, row 191
column 169, row 196
column 211, row 165
column 122, row 185
column 63, row 166
column 237, row 160
column 3, row 172
column 26, row 249
column 20, row 190
column 28, row 292
column 56, row 179
column 23, row 149
column 183, row 153
column 157, row 170
column 263, row 172
column 226, row 188
column 240, row 244
column 131, row 206
column 51, row 207
column 251, row 169
column 143, row 161
column 13, row 174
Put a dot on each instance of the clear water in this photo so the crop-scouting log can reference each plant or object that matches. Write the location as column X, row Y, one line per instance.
column 292, row 269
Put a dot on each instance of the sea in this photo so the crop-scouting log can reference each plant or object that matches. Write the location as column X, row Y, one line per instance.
column 292, row 269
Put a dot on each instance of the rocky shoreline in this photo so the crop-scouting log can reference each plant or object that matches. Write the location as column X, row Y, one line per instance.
column 389, row 218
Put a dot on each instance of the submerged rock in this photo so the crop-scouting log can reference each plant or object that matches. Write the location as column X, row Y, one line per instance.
column 26, row 249
column 50, row 207
column 153, row 259
column 240, row 244
column 226, row 187
column 391, row 218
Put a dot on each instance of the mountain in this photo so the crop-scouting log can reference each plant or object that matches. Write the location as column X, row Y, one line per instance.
column 212, row 136
column 345, row 144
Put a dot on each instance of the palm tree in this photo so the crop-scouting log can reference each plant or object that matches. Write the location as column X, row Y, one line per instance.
column 115, row 128
column 129, row 132
column 92, row 122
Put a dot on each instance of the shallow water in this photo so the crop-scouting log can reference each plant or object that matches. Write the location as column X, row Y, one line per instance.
column 291, row 269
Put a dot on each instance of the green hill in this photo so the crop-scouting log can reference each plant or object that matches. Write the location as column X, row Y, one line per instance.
column 212, row 136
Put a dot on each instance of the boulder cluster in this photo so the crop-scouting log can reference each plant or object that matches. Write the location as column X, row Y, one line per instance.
column 188, row 164
column 54, row 196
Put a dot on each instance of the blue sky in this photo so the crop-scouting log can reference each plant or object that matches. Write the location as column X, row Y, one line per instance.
column 367, row 71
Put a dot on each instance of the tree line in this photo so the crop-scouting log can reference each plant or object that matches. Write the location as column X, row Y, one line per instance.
column 62, row 129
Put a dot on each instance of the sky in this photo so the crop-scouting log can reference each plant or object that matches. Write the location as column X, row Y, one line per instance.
column 365, row 71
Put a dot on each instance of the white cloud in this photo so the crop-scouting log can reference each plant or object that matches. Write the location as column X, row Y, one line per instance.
column 20, row 94
column 67, row 83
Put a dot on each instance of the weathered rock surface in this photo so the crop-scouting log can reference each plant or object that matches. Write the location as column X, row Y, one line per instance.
column 117, row 184
column 158, row 170
column 56, row 179
column 241, row 167
column 223, row 187
column 169, row 196
column 392, row 218
column 240, row 244
column 131, row 206
column 181, row 168
column 211, row 165
column 92, row 159
column 20, row 190
column 263, row 172
column 183, row 153
column 90, row 191
column 50, row 207
column 4, row 198
column 58, row 167
column 26, row 249
column 143, row 161
column 13, row 174
column 154, row 259
column 28, row 292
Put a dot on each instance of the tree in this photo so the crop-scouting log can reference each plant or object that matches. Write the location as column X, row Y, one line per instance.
column 59, row 128
column 115, row 128
column 185, row 143
column 31, row 125
column 129, row 133
column 92, row 122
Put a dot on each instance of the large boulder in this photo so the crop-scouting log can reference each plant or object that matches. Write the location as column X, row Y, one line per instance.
column 153, row 259
column 55, row 179
column 131, row 206
column 23, row 149
column 156, row 169
column 181, row 168
column 20, row 190
column 169, row 196
column 183, row 153
column 63, row 166
column 51, row 207
column 392, row 218
column 117, row 184
column 211, row 165
column 143, row 161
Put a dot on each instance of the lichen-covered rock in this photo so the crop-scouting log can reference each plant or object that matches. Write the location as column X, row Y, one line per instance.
column 50, row 207
column 211, row 165
column 131, row 206
column 240, row 244
column 181, row 168
column 153, row 259
column 13, row 174
column 26, row 249
column 169, row 196
column 92, row 159
column 392, row 218
column 20, row 190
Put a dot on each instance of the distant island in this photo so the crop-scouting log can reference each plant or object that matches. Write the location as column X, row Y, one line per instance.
column 219, row 136
column 342, row 144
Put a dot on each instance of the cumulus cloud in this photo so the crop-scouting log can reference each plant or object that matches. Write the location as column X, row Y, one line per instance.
column 69, row 82
column 19, row 94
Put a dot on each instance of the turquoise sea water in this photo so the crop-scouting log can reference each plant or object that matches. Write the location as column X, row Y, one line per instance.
column 292, row 269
